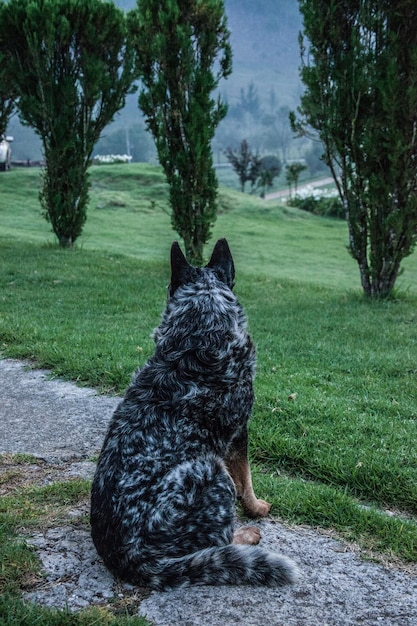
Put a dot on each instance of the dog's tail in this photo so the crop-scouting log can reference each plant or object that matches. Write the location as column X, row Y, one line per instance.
column 226, row 565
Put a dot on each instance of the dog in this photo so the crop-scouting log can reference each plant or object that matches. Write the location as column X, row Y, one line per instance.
column 175, row 454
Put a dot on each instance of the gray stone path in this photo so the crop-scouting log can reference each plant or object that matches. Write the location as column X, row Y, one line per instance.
column 52, row 419
column 61, row 422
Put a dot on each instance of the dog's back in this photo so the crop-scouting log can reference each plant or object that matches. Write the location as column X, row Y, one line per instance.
column 162, row 505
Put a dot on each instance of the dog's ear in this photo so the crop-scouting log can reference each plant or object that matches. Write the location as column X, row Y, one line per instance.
column 181, row 270
column 221, row 262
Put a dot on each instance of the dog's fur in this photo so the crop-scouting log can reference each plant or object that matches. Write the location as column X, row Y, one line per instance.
column 175, row 455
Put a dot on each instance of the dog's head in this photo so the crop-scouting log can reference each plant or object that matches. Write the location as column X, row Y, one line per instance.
column 221, row 263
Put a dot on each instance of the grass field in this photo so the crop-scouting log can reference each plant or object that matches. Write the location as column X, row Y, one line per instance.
column 335, row 421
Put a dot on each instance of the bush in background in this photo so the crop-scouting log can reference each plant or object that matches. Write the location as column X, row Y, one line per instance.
column 326, row 206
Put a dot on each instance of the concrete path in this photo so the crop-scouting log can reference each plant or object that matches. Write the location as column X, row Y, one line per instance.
column 49, row 418
column 65, row 425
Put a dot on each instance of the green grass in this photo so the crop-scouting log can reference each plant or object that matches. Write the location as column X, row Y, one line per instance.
column 15, row 613
column 129, row 215
column 91, row 302
column 335, row 420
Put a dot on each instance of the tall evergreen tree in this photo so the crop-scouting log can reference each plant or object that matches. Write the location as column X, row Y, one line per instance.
column 71, row 65
column 360, row 73
column 183, row 52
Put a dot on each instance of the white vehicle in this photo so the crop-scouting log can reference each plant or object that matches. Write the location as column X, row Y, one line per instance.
column 5, row 153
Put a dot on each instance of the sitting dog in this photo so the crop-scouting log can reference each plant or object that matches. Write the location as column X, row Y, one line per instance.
column 175, row 455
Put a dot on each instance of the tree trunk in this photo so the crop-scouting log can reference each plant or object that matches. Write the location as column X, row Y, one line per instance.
column 66, row 242
column 381, row 284
column 193, row 250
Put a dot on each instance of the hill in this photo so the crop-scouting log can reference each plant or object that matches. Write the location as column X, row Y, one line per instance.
column 128, row 214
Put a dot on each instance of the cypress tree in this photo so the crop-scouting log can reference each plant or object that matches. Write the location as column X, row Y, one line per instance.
column 183, row 51
column 360, row 73
column 71, row 65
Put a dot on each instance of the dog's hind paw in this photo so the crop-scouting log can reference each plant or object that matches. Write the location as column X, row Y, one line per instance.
column 247, row 535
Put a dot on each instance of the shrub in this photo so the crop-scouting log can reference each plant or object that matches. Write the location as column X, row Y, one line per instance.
column 320, row 205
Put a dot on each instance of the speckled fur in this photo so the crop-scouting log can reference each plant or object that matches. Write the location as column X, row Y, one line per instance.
column 162, row 505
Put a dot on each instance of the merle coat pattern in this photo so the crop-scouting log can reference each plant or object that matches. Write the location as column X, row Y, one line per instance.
column 175, row 455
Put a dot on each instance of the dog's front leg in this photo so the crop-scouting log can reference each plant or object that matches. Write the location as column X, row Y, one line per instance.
column 238, row 467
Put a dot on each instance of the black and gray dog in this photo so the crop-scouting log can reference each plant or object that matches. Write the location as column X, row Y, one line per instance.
column 175, row 455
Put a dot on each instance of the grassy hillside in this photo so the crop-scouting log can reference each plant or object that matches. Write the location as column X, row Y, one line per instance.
column 129, row 214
